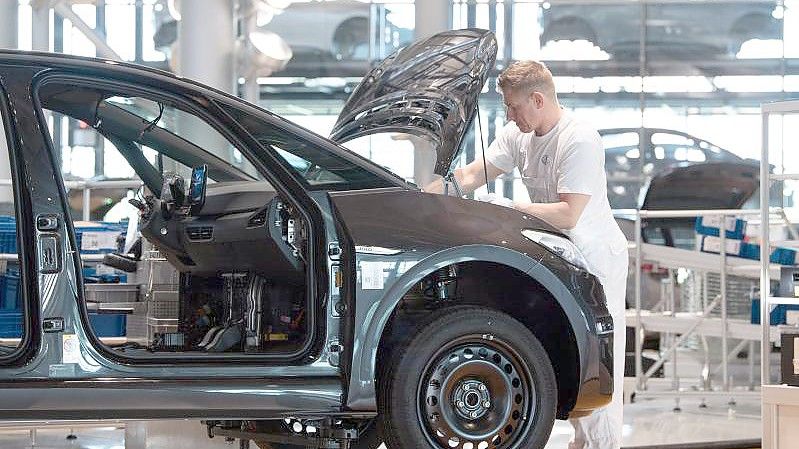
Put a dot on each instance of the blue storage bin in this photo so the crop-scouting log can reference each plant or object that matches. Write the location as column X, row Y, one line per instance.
column 108, row 324
column 8, row 240
column 776, row 317
column 90, row 276
column 115, row 229
column 10, row 324
column 782, row 256
column 10, row 298
column 9, row 292
column 8, row 234
column 735, row 227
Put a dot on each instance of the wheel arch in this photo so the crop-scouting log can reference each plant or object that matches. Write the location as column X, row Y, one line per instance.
column 507, row 264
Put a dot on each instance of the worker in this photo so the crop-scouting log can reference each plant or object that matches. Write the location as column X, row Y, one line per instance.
column 561, row 162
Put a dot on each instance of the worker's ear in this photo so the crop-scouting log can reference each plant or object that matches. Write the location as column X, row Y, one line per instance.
column 538, row 99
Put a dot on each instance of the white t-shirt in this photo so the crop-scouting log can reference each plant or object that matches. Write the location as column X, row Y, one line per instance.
column 567, row 159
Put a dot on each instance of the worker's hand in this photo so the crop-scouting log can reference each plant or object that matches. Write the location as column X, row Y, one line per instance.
column 436, row 186
column 493, row 198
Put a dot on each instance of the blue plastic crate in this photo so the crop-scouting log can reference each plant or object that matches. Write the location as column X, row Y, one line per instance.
column 782, row 256
column 10, row 324
column 9, row 292
column 108, row 324
column 8, row 240
column 115, row 228
column 116, row 276
column 778, row 315
column 735, row 227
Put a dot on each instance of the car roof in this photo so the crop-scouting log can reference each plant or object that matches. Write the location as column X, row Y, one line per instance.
column 100, row 66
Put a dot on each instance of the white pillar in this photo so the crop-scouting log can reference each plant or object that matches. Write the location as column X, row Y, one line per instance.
column 207, row 37
column 252, row 92
column 8, row 39
column 40, row 26
column 6, row 194
column 432, row 16
column 8, row 23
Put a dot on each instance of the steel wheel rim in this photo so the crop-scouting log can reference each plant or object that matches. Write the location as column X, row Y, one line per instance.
column 451, row 400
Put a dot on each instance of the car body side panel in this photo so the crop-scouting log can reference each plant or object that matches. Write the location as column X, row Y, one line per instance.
column 198, row 399
column 421, row 233
column 55, row 385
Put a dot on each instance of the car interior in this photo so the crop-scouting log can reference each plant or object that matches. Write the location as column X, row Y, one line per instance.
column 221, row 264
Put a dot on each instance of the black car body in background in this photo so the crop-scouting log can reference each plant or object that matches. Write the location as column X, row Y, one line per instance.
column 633, row 156
column 315, row 294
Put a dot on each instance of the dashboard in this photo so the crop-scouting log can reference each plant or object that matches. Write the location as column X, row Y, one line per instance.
column 241, row 227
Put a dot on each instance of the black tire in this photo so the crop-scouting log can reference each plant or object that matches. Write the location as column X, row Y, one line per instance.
column 468, row 361
column 120, row 262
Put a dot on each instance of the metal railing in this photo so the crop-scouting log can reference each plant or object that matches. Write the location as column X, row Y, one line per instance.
column 87, row 187
column 719, row 301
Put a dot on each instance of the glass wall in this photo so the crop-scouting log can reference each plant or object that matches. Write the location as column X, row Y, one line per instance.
column 698, row 69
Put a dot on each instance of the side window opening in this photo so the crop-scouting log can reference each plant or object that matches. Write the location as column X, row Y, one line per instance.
column 12, row 309
column 205, row 259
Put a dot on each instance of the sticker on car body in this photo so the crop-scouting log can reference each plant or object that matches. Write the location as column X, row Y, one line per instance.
column 70, row 349
column 371, row 275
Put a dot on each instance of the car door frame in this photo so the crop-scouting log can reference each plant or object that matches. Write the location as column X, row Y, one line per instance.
column 53, row 385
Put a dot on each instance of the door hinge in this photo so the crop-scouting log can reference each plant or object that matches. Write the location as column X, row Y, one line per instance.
column 50, row 325
column 334, row 251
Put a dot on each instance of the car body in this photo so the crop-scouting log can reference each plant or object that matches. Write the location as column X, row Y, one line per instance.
column 309, row 284
column 663, row 149
column 674, row 30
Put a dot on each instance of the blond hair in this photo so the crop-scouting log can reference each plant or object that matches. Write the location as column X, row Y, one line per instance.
column 528, row 76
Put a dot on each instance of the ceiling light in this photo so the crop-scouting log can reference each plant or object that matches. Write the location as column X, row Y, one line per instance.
column 173, row 6
column 270, row 53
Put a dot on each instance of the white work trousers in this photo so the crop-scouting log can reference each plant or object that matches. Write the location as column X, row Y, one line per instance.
column 602, row 429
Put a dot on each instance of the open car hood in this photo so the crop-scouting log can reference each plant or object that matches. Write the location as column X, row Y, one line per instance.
column 714, row 185
column 428, row 89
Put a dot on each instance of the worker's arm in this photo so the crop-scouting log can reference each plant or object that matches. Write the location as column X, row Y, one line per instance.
column 563, row 214
column 470, row 177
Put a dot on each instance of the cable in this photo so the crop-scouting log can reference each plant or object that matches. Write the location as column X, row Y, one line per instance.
column 489, row 187
column 152, row 124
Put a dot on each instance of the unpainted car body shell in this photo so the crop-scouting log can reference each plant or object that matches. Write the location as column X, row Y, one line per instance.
column 430, row 231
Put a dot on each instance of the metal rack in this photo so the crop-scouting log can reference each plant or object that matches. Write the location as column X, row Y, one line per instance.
column 680, row 326
column 779, row 402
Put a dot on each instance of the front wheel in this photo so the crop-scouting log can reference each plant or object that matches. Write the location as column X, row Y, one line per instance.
column 471, row 378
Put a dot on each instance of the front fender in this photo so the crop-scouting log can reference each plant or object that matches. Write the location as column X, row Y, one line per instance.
column 376, row 313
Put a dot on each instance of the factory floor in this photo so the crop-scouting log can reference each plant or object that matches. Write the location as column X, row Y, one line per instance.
column 646, row 423
column 652, row 422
